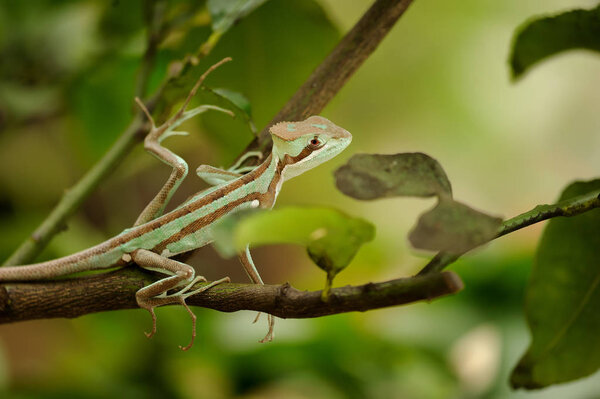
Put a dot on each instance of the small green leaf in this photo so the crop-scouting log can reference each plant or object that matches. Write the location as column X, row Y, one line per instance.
column 372, row 176
column 235, row 97
column 222, row 98
column 562, row 300
column 454, row 228
column 541, row 38
column 332, row 238
column 225, row 13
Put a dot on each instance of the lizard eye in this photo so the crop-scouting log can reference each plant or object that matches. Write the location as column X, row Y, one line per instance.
column 315, row 143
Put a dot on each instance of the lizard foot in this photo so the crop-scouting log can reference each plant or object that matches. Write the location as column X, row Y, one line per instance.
column 153, row 331
column 193, row 316
column 270, row 334
column 184, row 293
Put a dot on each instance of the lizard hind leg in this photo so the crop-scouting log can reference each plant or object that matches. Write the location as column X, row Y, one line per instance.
column 248, row 263
column 156, row 294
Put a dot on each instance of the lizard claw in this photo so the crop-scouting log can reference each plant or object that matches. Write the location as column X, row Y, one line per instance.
column 269, row 336
column 153, row 331
column 193, row 316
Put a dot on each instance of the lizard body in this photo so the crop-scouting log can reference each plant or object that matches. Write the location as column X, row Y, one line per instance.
column 156, row 237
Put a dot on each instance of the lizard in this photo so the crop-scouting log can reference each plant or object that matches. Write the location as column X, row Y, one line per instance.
column 157, row 236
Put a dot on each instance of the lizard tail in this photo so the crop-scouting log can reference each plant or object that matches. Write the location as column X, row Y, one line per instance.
column 38, row 271
column 78, row 262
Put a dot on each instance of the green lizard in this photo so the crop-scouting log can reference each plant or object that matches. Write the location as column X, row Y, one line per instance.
column 156, row 237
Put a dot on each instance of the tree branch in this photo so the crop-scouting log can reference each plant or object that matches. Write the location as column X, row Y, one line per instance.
column 116, row 290
column 331, row 75
column 570, row 207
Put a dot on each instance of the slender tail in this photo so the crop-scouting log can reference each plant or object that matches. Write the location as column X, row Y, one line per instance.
column 37, row 271
column 78, row 262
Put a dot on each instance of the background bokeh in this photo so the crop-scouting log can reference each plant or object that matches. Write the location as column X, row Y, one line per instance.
column 439, row 84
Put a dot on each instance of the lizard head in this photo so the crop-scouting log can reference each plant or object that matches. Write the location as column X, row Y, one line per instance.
column 301, row 146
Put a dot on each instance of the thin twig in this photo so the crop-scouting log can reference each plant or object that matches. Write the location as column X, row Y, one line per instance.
column 116, row 290
column 570, row 207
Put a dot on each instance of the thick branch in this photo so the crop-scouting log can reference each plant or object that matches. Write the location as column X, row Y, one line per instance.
column 116, row 290
column 570, row 207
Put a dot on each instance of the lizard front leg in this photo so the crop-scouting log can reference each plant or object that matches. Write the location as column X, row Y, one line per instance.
column 248, row 264
column 152, row 144
column 156, row 294
column 217, row 176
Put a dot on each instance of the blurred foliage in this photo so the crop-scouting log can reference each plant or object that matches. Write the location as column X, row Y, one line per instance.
column 437, row 84
column 225, row 13
column 562, row 300
column 541, row 38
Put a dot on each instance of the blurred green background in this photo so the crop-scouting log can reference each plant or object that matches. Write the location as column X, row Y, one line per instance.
column 439, row 84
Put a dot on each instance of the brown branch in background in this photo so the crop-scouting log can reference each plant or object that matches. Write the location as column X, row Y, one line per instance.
column 331, row 75
column 116, row 290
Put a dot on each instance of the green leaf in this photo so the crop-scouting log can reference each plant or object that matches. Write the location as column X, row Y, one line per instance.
column 222, row 98
column 225, row 13
column 562, row 300
column 454, row 228
column 541, row 38
column 237, row 98
column 231, row 100
column 372, row 176
column 332, row 238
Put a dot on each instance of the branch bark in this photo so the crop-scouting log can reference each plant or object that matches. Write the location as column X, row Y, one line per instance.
column 116, row 290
